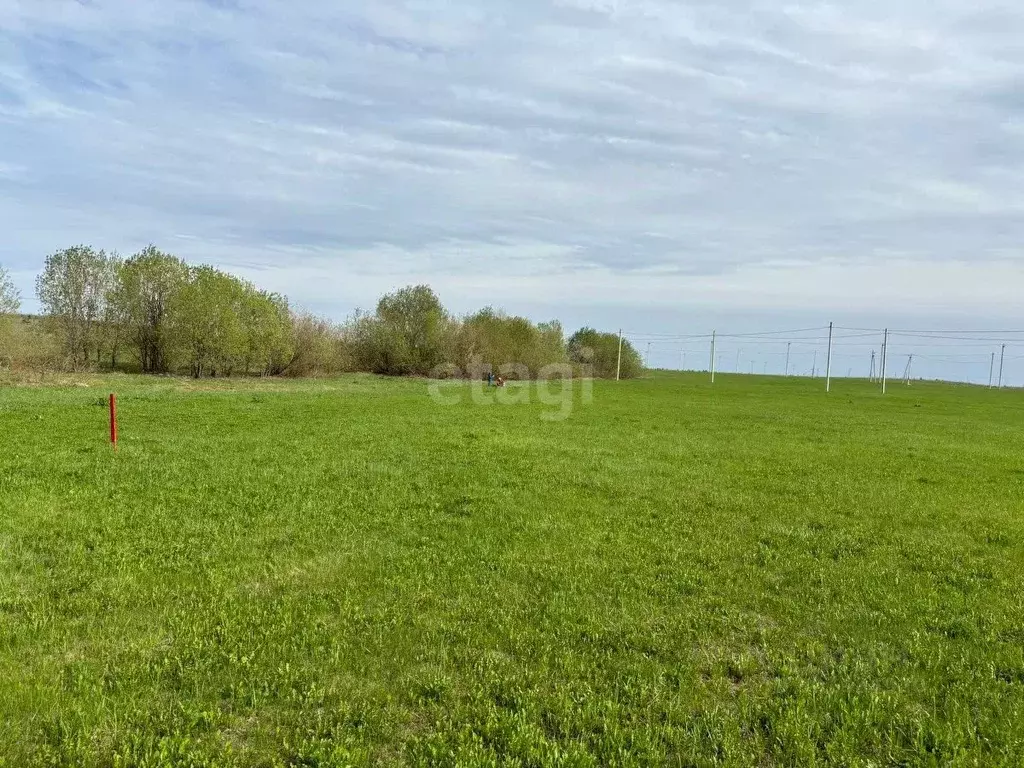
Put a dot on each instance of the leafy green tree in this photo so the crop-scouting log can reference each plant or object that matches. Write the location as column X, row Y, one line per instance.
column 267, row 323
column 412, row 326
column 140, row 301
column 206, row 322
column 112, row 328
column 379, row 347
column 600, row 351
column 551, row 343
column 72, row 290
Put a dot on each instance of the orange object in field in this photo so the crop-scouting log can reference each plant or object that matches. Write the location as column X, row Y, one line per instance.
column 113, row 420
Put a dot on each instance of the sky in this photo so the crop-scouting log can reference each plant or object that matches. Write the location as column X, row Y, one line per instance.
column 664, row 167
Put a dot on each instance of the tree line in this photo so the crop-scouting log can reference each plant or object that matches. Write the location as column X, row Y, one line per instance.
column 154, row 313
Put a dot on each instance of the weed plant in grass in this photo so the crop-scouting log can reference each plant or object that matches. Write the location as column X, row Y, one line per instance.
column 345, row 572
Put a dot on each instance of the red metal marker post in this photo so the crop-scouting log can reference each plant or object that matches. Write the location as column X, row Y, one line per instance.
column 113, row 420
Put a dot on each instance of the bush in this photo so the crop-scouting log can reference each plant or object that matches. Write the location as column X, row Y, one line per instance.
column 514, row 347
column 600, row 351
column 316, row 347
column 408, row 335
column 25, row 346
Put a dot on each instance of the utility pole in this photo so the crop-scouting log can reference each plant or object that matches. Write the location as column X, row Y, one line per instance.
column 737, row 366
column 885, row 355
column 814, row 366
column 828, row 365
column 789, row 346
column 766, row 369
column 991, row 370
column 647, row 359
column 906, row 373
column 683, row 362
column 1002, row 357
column 618, row 365
column 713, row 336
column 871, row 375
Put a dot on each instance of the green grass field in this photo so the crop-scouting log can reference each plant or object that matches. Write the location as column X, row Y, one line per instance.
column 345, row 572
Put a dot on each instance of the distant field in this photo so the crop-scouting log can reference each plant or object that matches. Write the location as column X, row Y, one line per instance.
column 345, row 572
